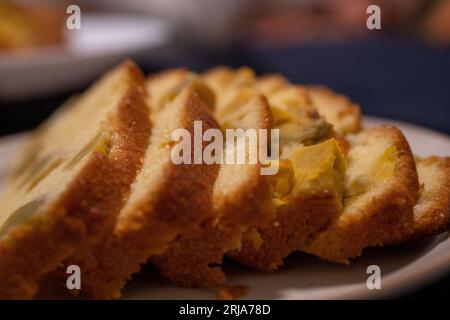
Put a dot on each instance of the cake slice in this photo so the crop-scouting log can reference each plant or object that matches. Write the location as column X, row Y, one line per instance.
column 337, row 109
column 292, row 110
column 167, row 199
column 380, row 191
column 166, row 85
column 432, row 210
column 241, row 197
column 72, row 178
column 307, row 195
column 306, row 191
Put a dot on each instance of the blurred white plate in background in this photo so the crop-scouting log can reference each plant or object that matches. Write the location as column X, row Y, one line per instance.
column 403, row 267
column 103, row 40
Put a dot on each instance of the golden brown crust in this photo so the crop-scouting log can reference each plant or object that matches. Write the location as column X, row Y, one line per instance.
column 194, row 259
column 432, row 210
column 384, row 215
column 86, row 209
column 182, row 201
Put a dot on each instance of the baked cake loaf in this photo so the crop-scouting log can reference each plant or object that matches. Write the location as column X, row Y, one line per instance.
column 166, row 200
column 72, row 178
column 380, row 191
column 241, row 198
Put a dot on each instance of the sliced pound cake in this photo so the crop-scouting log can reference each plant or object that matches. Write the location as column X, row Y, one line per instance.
column 380, row 191
column 241, row 198
column 72, row 178
column 166, row 200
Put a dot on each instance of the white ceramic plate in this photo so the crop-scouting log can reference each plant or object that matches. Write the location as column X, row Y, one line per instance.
column 403, row 267
column 103, row 40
